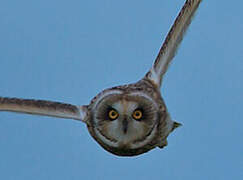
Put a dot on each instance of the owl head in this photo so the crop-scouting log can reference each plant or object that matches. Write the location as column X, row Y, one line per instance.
column 128, row 120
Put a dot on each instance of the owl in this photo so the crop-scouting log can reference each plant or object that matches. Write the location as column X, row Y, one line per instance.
column 126, row 120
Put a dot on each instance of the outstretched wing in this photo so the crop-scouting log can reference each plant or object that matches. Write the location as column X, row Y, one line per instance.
column 44, row 108
column 172, row 41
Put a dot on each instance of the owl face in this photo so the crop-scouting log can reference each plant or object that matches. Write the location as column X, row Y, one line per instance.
column 123, row 121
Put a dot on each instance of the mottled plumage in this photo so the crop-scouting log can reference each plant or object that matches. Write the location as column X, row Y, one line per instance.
column 146, row 133
column 125, row 120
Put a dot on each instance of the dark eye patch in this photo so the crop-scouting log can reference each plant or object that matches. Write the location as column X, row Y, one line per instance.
column 112, row 114
column 148, row 112
column 138, row 114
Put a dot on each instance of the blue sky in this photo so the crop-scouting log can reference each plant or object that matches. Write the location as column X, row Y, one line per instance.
column 69, row 51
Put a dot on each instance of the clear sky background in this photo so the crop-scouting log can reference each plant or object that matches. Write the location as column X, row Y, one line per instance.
column 69, row 51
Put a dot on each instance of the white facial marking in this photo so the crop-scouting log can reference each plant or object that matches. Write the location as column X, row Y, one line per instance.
column 111, row 92
column 145, row 96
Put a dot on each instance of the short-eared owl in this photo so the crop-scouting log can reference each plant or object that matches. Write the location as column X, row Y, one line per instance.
column 126, row 120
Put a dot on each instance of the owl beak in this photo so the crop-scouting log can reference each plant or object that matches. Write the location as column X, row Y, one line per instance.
column 124, row 125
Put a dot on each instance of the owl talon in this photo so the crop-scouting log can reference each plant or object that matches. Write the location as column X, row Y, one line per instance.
column 163, row 144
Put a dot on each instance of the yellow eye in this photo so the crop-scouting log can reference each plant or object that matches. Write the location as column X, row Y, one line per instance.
column 137, row 114
column 113, row 114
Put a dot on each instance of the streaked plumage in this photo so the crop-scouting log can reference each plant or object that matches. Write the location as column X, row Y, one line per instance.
column 125, row 120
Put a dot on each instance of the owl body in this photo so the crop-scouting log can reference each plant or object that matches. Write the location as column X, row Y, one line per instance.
column 127, row 135
column 125, row 120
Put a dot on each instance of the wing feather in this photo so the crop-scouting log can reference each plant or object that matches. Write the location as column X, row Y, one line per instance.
column 44, row 108
column 172, row 41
